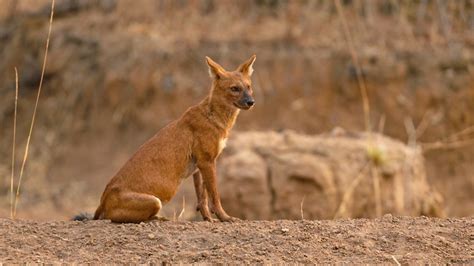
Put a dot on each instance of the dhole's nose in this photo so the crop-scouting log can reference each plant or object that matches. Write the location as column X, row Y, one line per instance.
column 250, row 102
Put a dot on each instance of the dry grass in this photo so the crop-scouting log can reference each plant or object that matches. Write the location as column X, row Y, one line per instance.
column 441, row 145
column 183, row 208
column 376, row 156
column 376, row 186
column 462, row 133
column 177, row 217
column 374, row 153
column 396, row 261
column 25, row 156
column 460, row 139
column 342, row 209
column 301, row 208
column 12, row 177
column 457, row 140
column 355, row 59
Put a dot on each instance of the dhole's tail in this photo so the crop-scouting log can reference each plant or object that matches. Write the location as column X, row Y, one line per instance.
column 82, row 217
column 98, row 212
column 87, row 216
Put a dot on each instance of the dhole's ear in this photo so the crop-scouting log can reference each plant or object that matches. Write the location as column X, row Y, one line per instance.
column 215, row 70
column 247, row 67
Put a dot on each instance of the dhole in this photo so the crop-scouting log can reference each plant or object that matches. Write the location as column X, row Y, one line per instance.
column 187, row 146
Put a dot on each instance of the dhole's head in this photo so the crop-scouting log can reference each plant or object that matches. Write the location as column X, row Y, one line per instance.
column 233, row 88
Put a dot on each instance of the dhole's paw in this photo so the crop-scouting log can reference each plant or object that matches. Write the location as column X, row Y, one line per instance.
column 159, row 218
column 230, row 219
column 210, row 219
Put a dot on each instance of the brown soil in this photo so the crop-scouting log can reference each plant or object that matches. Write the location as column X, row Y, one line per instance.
column 386, row 240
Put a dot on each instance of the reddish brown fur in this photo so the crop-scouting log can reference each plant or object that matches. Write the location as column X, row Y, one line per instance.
column 189, row 145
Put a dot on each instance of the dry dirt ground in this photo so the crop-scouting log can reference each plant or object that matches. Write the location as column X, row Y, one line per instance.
column 386, row 240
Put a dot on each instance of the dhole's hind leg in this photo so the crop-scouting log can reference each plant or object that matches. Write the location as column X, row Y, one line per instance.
column 132, row 207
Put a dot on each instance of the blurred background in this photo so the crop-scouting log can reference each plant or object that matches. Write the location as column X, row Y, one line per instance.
column 119, row 70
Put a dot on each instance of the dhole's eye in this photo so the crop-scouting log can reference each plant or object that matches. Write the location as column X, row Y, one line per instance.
column 235, row 89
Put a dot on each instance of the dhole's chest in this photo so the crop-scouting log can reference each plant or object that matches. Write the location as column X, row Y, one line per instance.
column 221, row 145
column 191, row 165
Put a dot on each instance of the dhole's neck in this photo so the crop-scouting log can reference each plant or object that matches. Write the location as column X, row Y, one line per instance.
column 220, row 114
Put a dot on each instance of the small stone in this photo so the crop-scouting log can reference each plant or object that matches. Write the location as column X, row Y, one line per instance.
column 151, row 236
column 260, row 252
column 388, row 217
column 285, row 230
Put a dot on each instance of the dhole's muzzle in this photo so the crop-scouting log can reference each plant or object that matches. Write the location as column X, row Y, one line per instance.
column 246, row 101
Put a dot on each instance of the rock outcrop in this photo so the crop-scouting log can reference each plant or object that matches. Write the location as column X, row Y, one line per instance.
column 269, row 175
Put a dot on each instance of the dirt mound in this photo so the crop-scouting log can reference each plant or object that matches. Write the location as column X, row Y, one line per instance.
column 270, row 175
column 387, row 240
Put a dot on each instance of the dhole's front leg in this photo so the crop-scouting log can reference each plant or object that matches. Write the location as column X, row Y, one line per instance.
column 201, row 194
column 208, row 171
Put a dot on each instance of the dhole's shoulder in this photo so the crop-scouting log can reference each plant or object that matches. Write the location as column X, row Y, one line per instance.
column 194, row 116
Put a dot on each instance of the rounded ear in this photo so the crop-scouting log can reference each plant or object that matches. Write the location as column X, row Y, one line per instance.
column 216, row 71
column 246, row 68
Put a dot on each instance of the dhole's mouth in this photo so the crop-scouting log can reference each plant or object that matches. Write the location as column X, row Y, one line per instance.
column 242, row 107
